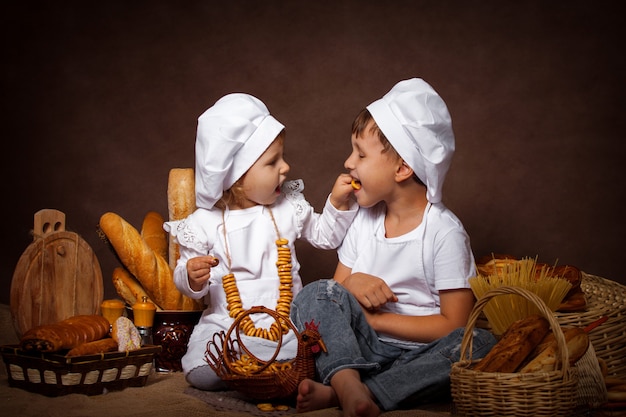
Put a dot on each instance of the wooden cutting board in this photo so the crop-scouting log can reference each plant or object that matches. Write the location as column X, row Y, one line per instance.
column 58, row 276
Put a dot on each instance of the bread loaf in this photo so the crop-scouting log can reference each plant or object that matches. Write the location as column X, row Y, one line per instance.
column 128, row 287
column 93, row 348
column 181, row 202
column 154, row 234
column 66, row 334
column 125, row 334
column 151, row 269
column 546, row 355
column 517, row 342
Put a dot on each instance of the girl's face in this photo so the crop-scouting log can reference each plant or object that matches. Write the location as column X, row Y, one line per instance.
column 374, row 169
column 262, row 182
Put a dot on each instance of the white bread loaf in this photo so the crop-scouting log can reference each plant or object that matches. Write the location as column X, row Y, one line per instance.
column 181, row 202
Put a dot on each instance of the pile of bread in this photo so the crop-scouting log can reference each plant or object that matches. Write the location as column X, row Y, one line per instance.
column 149, row 256
column 82, row 335
column 528, row 345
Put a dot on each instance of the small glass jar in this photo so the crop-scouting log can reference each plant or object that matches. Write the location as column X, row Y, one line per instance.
column 143, row 317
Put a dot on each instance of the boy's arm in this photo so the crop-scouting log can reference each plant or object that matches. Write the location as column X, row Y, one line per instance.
column 370, row 291
column 456, row 306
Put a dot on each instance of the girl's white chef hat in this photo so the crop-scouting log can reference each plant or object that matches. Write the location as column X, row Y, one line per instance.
column 416, row 122
column 231, row 136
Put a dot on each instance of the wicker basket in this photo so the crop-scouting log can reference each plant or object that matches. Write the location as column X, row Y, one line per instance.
column 604, row 298
column 535, row 394
column 263, row 383
column 54, row 375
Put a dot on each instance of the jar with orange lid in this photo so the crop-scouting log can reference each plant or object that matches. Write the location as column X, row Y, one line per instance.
column 143, row 317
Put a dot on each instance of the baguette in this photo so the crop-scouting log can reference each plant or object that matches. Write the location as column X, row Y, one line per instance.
column 95, row 347
column 151, row 269
column 66, row 334
column 154, row 234
column 545, row 357
column 128, row 287
column 181, row 202
column 517, row 342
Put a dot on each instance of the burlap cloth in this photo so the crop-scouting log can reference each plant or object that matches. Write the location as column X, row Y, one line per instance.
column 164, row 395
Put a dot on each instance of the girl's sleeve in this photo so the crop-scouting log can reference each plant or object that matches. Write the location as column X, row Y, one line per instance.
column 191, row 244
column 325, row 230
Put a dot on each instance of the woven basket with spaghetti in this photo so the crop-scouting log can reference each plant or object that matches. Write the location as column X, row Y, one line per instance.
column 257, row 379
column 605, row 298
column 539, row 394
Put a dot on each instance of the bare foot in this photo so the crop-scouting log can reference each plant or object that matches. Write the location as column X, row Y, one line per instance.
column 315, row 396
column 354, row 397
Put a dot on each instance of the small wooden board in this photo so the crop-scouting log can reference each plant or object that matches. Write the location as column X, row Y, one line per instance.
column 58, row 276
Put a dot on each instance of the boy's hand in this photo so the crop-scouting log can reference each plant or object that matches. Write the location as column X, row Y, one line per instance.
column 370, row 291
column 341, row 194
column 199, row 270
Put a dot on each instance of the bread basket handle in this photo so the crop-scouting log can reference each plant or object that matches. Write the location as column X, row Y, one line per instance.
column 466, row 344
column 236, row 326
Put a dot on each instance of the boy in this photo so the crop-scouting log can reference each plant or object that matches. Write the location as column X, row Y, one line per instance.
column 392, row 316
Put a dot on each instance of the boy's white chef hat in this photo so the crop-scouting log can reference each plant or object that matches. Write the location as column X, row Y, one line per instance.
column 231, row 136
column 416, row 122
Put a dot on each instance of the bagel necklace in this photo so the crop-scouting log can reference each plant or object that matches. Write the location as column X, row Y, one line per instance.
column 285, row 295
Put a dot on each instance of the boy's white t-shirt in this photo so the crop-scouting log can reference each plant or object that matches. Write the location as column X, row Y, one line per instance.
column 433, row 257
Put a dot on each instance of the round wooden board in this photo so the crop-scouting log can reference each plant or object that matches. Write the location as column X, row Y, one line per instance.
column 58, row 276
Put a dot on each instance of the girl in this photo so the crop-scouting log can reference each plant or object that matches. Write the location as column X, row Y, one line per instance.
column 237, row 249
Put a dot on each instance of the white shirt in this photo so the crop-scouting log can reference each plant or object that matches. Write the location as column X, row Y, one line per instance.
column 251, row 237
column 433, row 257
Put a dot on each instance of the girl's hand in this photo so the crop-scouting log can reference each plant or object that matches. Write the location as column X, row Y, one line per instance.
column 342, row 192
column 199, row 270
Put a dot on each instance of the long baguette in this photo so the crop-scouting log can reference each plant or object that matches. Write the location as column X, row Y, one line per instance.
column 517, row 342
column 154, row 234
column 181, row 202
column 150, row 268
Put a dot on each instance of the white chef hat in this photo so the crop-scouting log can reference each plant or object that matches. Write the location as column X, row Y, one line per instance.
column 416, row 122
column 231, row 136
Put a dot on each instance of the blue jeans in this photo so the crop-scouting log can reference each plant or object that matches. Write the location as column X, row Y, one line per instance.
column 395, row 376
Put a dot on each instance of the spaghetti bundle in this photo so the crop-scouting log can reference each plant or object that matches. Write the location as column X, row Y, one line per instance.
column 525, row 273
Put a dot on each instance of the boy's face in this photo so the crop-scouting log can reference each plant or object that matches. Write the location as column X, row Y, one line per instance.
column 262, row 182
column 374, row 169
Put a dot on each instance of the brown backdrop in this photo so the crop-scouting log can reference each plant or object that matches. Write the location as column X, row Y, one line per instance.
column 100, row 101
